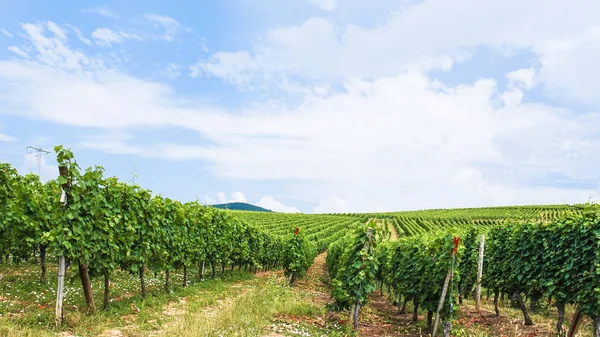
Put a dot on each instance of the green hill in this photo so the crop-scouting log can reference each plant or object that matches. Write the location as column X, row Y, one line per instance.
column 241, row 206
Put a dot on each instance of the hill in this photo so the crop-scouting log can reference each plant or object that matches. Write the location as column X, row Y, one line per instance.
column 241, row 206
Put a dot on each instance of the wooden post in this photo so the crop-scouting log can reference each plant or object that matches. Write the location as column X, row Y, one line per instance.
column 354, row 312
column 62, row 267
column 575, row 320
column 445, row 288
column 441, row 303
column 479, row 272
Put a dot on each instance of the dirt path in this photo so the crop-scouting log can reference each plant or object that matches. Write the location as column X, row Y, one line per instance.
column 393, row 230
column 173, row 312
column 380, row 318
column 313, row 289
column 380, row 223
column 316, row 281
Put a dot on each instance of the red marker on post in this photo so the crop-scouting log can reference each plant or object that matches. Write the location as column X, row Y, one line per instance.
column 456, row 240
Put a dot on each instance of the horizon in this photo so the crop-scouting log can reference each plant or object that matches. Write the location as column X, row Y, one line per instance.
column 311, row 106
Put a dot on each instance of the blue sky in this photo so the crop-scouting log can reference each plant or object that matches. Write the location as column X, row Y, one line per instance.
column 311, row 105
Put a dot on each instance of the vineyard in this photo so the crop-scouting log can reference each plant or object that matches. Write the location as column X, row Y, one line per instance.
column 84, row 238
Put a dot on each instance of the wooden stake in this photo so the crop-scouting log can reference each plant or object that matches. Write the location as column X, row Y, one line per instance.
column 575, row 320
column 441, row 303
column 445, row 288
column 479, row 272
column 62, row 267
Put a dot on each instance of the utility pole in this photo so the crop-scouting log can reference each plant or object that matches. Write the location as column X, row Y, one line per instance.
column 39, row 158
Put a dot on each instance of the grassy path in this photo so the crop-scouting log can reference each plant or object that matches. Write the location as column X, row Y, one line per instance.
column 392, row 230
column 381, row 223
column 264, row 306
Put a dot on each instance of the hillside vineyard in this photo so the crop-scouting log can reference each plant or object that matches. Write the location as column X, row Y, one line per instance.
column 427, row 259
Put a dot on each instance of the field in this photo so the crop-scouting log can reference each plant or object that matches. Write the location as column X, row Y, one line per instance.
column 143, row 265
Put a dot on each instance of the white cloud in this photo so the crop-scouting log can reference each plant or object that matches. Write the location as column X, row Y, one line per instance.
column 332, row 204
column 209, row 200
column 512, row 98
column 6, row 138
column 237, row 197
column 522, row 77
column 171, row 71
column 45, row 170
column 168, row 27
column 18, row 51
column 374, row 142
column 429, row 34
column 438, row 135
column 80, row 35
column 171, row 26
column 269, row 203
column 103, row 11
column 327, row 5
column 106, row 37
column 53, row 51
column 54, row 28
column 222, row 198
column 6, row 32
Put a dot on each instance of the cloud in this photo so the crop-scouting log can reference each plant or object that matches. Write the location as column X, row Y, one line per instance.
column 237, row 197
column 6, row 32
column 171, row 26
column 209, row 200
column 80, row 35
column 18, row 51
column 102, row 11
column 368, row 140
column 171, row 71
column 59, row 32
column 447, row 34
column 45, row 170
column 167, row 26
column 522, row 77
column 52, row 51
column 6, row 138
column 266, row 201
column 106, row 37
column 439, row 136
column 269, row 203
column 327, row 5
column 332, row 204
column 222, row 198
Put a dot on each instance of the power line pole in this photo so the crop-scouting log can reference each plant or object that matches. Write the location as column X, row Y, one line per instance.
column 39, row 158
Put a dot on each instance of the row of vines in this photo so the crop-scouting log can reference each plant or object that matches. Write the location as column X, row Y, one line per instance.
column 99, row 223
column 557, row 260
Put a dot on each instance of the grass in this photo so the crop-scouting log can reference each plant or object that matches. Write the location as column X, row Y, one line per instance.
column 27, row 306
column 267, row 305
column 233, row 304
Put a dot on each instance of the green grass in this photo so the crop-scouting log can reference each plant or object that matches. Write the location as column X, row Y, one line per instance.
column 27, row 306
column 235, row 304
column 264, row 307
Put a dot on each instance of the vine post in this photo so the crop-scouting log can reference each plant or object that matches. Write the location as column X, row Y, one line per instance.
column 479, row 272
column 356, row 306
column 449, row 276
column 62, row 266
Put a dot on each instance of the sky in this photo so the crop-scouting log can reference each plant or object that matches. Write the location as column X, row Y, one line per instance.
column 315, row 106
